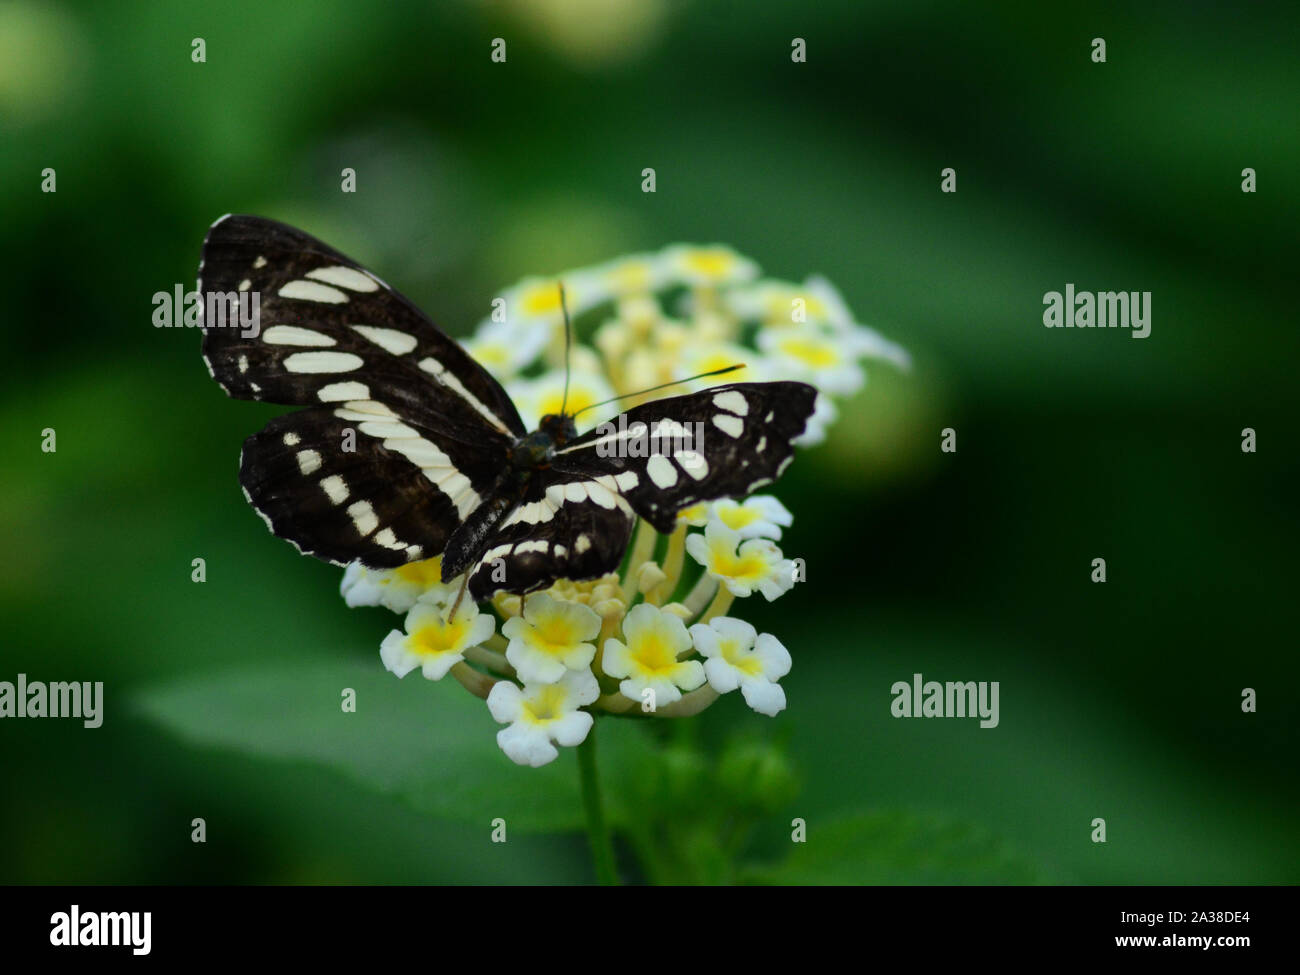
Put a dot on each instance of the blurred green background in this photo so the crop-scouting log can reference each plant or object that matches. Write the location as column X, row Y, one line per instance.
column 1119, row 700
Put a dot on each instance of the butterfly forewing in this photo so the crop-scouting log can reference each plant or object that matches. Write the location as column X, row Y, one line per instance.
column 328, row 330
column 669, row 454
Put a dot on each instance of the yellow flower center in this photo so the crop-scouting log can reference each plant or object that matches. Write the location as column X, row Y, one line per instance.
column 542, row 299
column 739, row 567
column 425, row 573
column 579, row 399
column 439, row 637
column 554, row 635
column 654, row 654
column 819, row 355
column 740, row 659
column 546, row 705
column 781, row 307
column 737, row 518
column 711, row 263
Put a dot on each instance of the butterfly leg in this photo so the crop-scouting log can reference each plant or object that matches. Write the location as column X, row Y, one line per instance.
column 459, row 596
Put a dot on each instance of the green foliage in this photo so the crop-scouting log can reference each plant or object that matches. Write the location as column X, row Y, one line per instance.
column 432, row 746
column 901, row 848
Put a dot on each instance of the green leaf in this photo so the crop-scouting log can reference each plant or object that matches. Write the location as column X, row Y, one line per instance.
column 900, row 847
column 433, row 745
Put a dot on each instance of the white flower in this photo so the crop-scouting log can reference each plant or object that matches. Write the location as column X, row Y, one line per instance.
column 696, row 515
column 540, row 714
column 736, row 656
column 708, row 266
column 433, row 643
column 551, row 638
column 818, row 356
column 867, row 343
column 537, row 299
column 784, row 304
column 742, row 566
column 536, row 397
column 824, row 414
column 655, row 639
column 699, row 357
column 758, row 516
column 396, row 589
column 505, row 347
column 632, row 275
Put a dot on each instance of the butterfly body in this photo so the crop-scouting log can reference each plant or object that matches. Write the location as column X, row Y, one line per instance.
column 406, row 448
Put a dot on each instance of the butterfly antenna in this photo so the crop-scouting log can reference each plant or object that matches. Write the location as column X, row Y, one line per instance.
column 568, row 340
column 675, row 382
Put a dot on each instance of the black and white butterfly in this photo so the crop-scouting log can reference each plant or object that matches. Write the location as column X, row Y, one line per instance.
column 408, row 448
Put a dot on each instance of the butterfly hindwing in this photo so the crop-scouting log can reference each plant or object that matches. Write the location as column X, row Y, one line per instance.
column 671, row 453
column 371, row 504
column 565, row 527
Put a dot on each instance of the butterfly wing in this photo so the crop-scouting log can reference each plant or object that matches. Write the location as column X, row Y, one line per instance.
column 565, row 527
column 577, row 516
column 668, row 454
column 406, row 432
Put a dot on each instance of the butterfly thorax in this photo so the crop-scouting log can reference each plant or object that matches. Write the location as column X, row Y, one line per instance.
column 529, row 454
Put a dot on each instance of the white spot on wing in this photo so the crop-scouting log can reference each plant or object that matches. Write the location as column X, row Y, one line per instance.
column 388, row 339
column 362, row 409
column 732, row 426
column 335, row 488
column 309, row 462
column 295, row 335
column 601, row 495
column 323, row 362
column 733, row 402
column 635, row 431
column 387, row 539
column 693, row 463
column 582, row 544
column 363, row 517
column 661, row 471
column 445, row 376
column 345, row 277
column 531, row 513
column 313, row 291
column 381, row 429
column 291, row 439
column 347, row 390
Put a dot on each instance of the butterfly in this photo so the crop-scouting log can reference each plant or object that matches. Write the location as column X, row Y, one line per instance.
column 407, row 448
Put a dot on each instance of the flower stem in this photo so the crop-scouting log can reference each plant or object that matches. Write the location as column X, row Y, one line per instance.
column 602, row 847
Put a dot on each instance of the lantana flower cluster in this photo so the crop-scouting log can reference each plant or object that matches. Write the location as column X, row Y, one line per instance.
column 655, row 639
